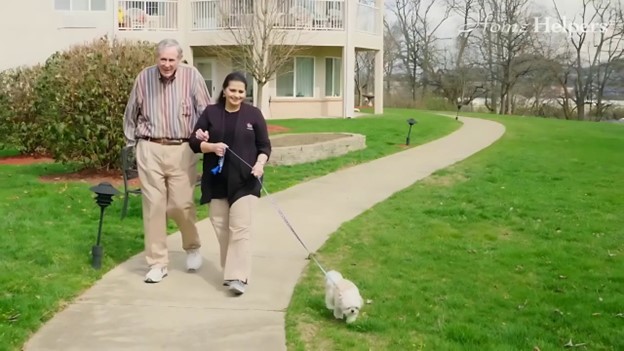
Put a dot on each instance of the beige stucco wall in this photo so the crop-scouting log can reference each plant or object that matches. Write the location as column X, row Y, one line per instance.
column 33, row 30
column 306, row 108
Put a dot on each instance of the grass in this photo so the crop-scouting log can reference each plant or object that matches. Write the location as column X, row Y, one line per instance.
column 47, row 229
column 383, row 136
column 516, row 248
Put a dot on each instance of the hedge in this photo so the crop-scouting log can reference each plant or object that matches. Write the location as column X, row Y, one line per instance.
column 72, row 106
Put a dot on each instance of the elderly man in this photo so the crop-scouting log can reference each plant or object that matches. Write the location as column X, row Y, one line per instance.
column 165, row 102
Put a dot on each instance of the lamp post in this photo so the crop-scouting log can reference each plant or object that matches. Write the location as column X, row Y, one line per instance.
column 104, row 197
column 411, row 122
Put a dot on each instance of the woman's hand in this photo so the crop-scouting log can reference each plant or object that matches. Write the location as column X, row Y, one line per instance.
column 219, row 148
column 201, row 135
column 258, row 170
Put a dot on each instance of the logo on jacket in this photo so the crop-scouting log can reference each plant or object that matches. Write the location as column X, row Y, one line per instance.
column 249, row 126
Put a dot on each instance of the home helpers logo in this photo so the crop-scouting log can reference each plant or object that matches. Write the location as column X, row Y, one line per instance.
column 541, row 25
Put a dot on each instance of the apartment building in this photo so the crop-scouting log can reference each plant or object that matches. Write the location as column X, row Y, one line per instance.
column 317, row 82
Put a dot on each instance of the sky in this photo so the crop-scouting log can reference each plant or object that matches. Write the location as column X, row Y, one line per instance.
column 567, row 8
column 570, row 10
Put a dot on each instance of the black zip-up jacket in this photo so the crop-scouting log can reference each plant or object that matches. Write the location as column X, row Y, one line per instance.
column 251, row 138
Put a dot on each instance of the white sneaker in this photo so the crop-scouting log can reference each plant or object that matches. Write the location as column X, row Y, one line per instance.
column 237, row 287
column 193, row 260
column 156, row 274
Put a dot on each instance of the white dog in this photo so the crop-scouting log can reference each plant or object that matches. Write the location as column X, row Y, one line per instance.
column 342, row 296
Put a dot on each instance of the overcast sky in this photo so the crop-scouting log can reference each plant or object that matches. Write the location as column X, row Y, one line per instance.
column 568, row 8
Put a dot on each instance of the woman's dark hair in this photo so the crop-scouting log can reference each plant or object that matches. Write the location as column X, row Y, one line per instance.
column 232, row 77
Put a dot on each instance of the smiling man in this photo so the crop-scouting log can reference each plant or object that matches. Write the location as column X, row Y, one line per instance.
column 164, row 105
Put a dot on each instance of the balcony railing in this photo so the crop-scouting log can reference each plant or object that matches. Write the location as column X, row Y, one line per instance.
column 286, row 14
column 136, row 15
column 220, row 14
column 367, row 15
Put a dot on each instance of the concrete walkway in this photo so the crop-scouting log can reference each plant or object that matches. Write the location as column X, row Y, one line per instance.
column 192, row 311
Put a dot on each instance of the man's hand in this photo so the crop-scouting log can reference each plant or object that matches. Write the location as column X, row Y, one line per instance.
column 201, row 135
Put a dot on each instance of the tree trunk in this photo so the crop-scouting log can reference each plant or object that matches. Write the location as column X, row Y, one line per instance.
column 259, row 95
column 580, row 109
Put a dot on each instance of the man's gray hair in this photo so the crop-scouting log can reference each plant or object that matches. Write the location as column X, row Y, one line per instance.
column 167, row 43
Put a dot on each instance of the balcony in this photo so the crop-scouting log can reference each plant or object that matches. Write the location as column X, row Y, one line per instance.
column 312, row 15
column 160, row 15
column 205, row 16
column 367, row 15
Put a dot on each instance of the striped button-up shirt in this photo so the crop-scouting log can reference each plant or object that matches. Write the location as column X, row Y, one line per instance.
column 165, row 108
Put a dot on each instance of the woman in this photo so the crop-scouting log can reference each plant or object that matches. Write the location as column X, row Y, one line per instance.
column 235, row 129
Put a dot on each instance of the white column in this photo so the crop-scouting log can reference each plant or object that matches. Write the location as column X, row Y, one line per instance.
column 379, row 64
column 380, row 17
column 113, row 34
column 348, row 59
column 184, row 13
column 379, row 86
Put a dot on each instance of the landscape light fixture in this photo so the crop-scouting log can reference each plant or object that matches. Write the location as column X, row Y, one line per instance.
column 411, row 122
column 104, row 197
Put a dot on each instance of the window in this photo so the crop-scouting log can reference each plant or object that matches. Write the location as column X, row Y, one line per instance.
column 332, row 76
column 80, row 5
column 296, row 78
column 206, row 69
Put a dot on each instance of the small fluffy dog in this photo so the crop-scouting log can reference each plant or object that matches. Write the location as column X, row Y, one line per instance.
column 342, row 296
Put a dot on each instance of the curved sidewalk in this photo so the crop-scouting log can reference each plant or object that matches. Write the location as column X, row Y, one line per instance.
column 192, row 311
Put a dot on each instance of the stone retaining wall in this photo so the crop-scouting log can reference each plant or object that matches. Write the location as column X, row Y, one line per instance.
column 308, row 150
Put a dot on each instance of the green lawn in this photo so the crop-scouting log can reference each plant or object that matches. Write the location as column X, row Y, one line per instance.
column 520, row 247
column 47, row 230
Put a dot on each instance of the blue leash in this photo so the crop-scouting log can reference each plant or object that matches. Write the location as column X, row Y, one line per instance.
column 219, row 167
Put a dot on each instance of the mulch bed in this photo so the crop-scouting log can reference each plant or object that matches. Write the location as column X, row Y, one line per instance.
column 24, row 160
column 89, row 176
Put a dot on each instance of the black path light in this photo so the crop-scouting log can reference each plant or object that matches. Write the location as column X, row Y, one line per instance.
column 104, row 197
column 411, row 122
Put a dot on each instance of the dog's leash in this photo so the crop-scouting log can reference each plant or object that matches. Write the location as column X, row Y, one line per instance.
column 279, row 210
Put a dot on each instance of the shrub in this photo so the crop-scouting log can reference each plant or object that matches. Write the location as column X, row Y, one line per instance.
column 18, row 119
column 436, row 103
column 83, row 93
column 615, row 113
column 5, row 126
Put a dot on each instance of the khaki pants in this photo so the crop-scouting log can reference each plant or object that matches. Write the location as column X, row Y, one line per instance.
column 233, row 227
column 168, row 174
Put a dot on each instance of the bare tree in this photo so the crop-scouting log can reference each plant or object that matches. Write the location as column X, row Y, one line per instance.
column 610, row 49
column 392, row 49
column 263, row 40
column 406, row 12
column 364, row 73
column 550, row 51
column 565, row 100
column 506, row 38
column 428, row 40
column 458, row 80
column 596, row 46
column 417, row 40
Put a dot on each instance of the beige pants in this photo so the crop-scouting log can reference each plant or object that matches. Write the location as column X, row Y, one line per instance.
column 168, row 174
column 233, row 227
